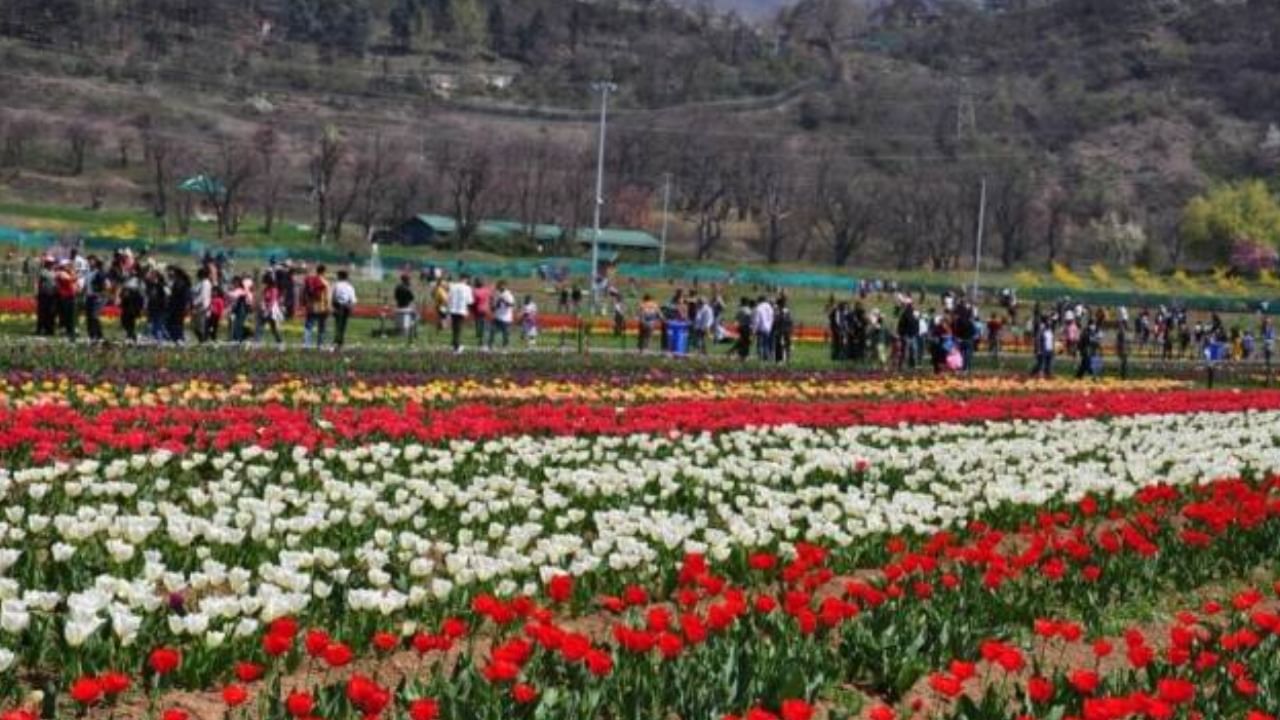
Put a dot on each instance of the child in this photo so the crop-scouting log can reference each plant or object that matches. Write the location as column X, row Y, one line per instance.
column 217, row 306
column 529, row 321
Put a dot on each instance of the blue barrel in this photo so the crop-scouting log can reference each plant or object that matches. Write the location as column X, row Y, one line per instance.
column 678, row 337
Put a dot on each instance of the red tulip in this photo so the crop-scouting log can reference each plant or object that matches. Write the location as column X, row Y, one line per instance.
column 175, row 714
column 796, row 710
column 1085, row 682
column 599, row 663
column 299, row 704
column 316, row 642
column 560, row 588
column 86, row 690
column 882, row 712
column 524, row 694
column 385, row 641
column 275, row 645
column 165, row 660
column 234, row 695
column 337, row 655
column 248, row 672
column 114, row 683
column 424, row 709
column 1040, row 690
column 453, row 628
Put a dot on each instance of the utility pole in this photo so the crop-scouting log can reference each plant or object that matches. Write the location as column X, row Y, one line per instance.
column 666, row 217
column 977, row 258
column 604, row 88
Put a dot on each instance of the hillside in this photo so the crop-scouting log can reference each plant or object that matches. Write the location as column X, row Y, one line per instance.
column 836, row 130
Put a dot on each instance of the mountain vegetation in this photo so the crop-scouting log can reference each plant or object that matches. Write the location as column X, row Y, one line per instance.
column 834, row 131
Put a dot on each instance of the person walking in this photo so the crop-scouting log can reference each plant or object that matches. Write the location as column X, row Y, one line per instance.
column 529, row 321
column 95, row 298
column 481, row 309
column 241, row 305
column 504, row 314
column 217, row 308
column 270, row 309
column 1088, row 345
column 317, row 297
column 908, row 330
column 762, row 328
column 178, row 303
column 1122, row 349
column 344, row 304
column 46, row 297
column 745, row 321
column 461, row 298
column 783, row 325
column 157, row 295
column 407, row 314
column 704, row 320
column 440, row 297
column 649, row 316
column 1044, row 349
column 994, row 327
column 65, row 283
column 133, row 301
column 202, row 304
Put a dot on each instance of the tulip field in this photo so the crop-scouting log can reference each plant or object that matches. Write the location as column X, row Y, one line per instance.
column 694, row 546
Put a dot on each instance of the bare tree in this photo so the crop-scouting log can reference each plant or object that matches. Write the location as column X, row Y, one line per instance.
column 407, row 188
column 18, row 131
column 327, row 156
column 378, row 162
column 531, row 168
column 271, row 171
column 226, row 176
column 81, row 137
column 571, row 198
column 777, row 197
column 844, row 212
column 124, row 138
column 468, row 175
column 1010, row 190
column 160, row 153
column 954, row 221
column 707, row 180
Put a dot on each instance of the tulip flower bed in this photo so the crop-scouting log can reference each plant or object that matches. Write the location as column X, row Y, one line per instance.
column 420, row 551
column 153, row 390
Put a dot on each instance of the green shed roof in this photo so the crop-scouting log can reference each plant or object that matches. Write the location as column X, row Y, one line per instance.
column 442, row 224
column 512, row 227
column 613, row 237
column 202, row 184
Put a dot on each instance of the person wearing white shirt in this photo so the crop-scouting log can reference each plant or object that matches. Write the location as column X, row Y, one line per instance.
column 504, row 313
column 762, row 328
column 344, row 303
column 460, row 300
column 704, row 321
column 201, row 302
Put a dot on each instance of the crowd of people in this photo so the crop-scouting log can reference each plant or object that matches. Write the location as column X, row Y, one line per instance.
column 690, row 322
column 949, row 336
column 165, row 303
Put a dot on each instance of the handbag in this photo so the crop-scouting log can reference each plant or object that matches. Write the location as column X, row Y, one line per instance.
column 954, row 360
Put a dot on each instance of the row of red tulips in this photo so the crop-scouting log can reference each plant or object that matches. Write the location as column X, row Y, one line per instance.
column 44, row 432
